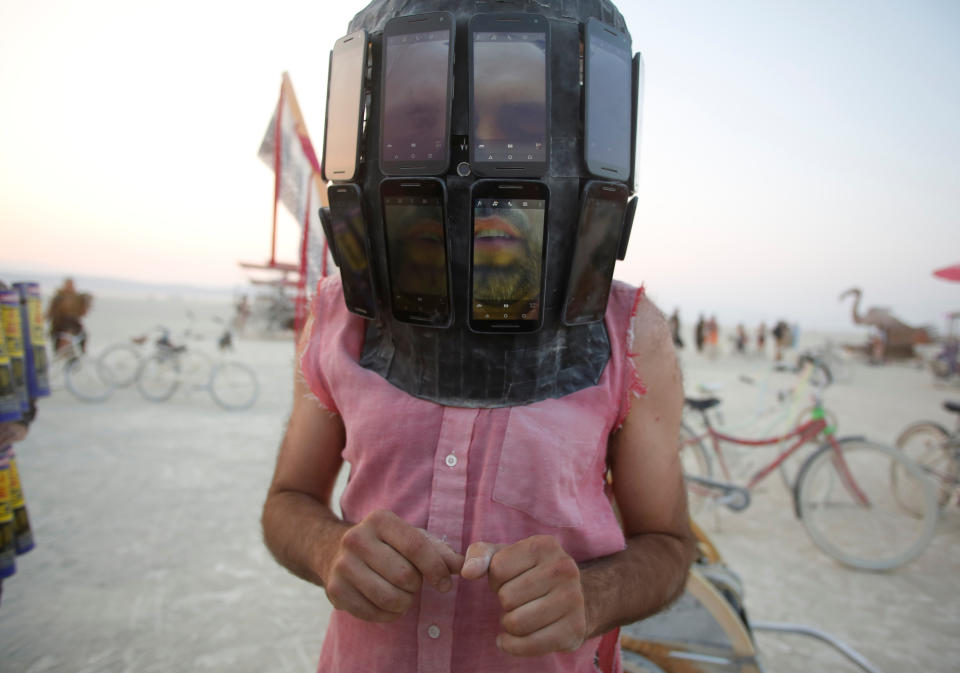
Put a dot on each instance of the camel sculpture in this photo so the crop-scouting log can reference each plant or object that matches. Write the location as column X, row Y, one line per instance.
column 900, row 337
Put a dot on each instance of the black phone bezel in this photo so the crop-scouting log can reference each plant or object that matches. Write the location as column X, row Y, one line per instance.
column 486, row 189
column 367, row 248
column 593, row 30
column 360, row 103
column 527, row 23
column 440, row 188
column 406, row 25
column 594, row 189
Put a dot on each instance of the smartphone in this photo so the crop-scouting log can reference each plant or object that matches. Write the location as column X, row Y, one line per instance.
column 607, row 107
column 342, row 127
column 509, row 98
column 348, row 239
column 507, row 252
column 417, row 86
column 637, row 116
column 414, row 221
column 599, row 230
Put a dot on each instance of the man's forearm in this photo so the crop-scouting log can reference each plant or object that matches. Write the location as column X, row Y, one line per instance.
column 301, row 533
column 637, row 582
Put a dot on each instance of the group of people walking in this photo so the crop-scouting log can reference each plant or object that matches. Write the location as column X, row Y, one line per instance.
column 707, row 336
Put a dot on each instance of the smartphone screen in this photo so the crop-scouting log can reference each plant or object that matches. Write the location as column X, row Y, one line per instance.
column 348, row 229
column 637, row 110
column 509, row 94
column 507, row 256
column 608, row 107
column 417, row 62
column 597, row 245
column 341, row 136
column 413, row 218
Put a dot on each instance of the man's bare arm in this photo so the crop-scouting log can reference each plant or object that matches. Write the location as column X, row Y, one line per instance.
column 373, row 568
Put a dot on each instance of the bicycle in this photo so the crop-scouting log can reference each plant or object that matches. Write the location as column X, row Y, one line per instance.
column 231, row 384
column 937, row 452
column 119, row 364
column 842, row 494
column 80, row 373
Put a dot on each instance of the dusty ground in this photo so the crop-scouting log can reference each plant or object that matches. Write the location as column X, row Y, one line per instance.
column 149, row 556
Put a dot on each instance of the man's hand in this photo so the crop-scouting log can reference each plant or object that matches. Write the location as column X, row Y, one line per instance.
column 11, row 432
column 382, row 562
column 538, row 585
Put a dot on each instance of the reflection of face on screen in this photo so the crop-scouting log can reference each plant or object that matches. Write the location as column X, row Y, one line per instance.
column 343, row 108
column 418, row 257
column 507, row 258
column 348, row 237
column 609, row 105
column 598, row 238
column 415, row 98
column 510, row 94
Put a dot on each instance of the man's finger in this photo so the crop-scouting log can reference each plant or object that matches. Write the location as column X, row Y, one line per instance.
column 425, row 554
column 560, row 636
column 477, row 560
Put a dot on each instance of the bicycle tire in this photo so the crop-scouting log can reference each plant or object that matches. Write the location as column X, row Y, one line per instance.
column 871, row 533
column 695, row 460
column 83, row 380
column 790, row 468
column 120, row 364
column 234, row 386
column 925, row 443
column 159, row 378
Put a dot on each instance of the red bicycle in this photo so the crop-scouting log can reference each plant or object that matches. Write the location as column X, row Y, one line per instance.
column 842, row 494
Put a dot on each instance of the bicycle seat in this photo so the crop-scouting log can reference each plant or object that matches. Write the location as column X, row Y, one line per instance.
column 701, row 405
column 952, row 406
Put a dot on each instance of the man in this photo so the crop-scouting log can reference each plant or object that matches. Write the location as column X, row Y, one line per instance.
column 478, row 528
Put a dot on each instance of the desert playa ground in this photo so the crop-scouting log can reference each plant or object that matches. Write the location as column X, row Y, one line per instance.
column 149, row 556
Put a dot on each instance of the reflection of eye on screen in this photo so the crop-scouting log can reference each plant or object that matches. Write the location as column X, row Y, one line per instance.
column 509, row 71
column 415, row 97
column 507, row 259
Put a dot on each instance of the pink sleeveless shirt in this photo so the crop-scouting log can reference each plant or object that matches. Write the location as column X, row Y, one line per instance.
column 466, row 475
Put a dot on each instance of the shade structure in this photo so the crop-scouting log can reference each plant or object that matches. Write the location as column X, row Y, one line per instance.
column 949, row 273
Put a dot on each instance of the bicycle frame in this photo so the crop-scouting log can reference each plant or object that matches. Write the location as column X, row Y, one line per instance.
column 806, row 432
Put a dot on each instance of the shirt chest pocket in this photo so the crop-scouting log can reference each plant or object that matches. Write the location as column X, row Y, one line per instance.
column 546, row 459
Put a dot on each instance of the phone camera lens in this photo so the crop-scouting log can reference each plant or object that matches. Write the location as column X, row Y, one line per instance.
column 463, row 169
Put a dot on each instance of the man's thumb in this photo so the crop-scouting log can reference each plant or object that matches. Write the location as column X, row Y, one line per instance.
column 477, row 559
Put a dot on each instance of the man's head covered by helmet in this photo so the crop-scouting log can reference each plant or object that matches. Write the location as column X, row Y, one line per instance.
column 487, row 200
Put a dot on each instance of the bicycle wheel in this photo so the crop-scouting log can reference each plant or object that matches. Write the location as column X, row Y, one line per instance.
column 846, row 504
column 159, row 378
column 695, row 461
column 119, row 365
column 196, row 369
column 234, row 386
column 789, row 468
column 926, row 444
column 83, row 380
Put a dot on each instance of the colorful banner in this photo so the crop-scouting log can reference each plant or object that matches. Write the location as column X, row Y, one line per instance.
column 287, row 149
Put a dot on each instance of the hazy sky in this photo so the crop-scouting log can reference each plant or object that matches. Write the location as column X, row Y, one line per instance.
column 790, row 149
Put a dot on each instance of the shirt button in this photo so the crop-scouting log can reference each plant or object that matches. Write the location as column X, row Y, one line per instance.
column 433, row 631
column 451, row 460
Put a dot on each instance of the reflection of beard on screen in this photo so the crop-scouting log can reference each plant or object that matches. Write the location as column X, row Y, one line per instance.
column 507, row 248
column 417, row 251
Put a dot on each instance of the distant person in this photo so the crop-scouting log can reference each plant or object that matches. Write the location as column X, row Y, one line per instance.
column 762, row 339
column 242, row 313
column 700, row 333
column 781, row 339
column 741, row 339
column 64, row 313
column 675, row 328
column 712, row 336
column 877, row 341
